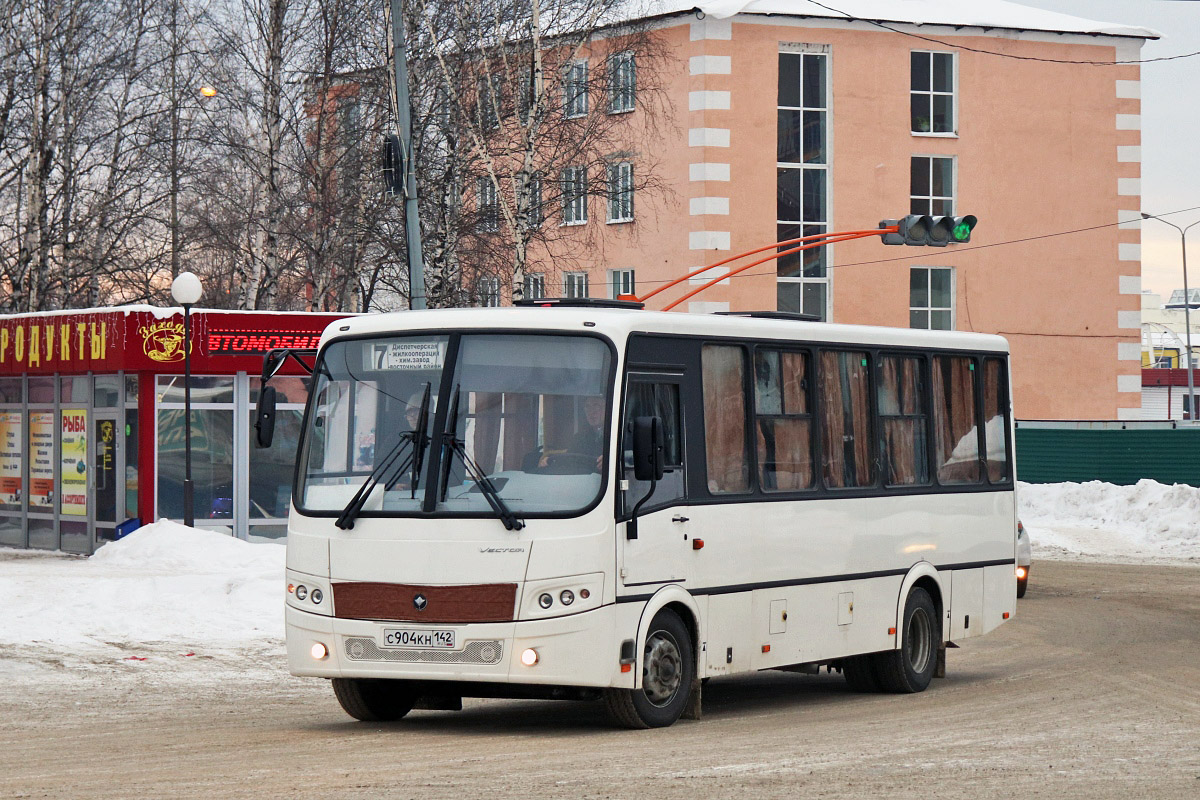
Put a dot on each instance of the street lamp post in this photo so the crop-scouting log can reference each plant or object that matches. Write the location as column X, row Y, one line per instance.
column 1187, row 317
column 186, row 290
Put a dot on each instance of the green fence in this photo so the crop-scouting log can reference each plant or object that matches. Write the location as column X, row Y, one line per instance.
column 1116, row 452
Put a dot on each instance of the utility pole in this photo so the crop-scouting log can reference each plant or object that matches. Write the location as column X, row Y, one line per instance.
column 400, row 97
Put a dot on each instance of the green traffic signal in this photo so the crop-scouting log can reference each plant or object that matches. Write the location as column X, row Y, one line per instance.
column 929, row 231
column 962, row 228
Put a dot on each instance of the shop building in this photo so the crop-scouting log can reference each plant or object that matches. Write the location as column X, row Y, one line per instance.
column 92, row 416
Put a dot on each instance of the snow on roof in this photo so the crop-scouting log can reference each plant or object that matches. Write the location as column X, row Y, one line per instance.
column 977, row 13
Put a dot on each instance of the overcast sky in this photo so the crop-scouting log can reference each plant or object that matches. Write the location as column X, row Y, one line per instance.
column 1170, row 127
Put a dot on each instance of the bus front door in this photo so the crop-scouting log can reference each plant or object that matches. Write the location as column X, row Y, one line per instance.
column 656, row 547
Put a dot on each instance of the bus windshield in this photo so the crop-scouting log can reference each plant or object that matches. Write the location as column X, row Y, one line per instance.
column 527, row 411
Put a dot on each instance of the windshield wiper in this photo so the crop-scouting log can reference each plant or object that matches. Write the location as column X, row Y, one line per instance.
column 418, row 440
column 473, row 470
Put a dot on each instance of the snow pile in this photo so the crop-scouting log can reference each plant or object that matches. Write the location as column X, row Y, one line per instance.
column 1146, row 522
column 163, row 590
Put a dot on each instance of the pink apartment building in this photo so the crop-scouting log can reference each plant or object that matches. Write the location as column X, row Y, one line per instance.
column 792, row 119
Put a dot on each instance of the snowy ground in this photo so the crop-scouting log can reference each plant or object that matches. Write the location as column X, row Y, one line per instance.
column 169, row 600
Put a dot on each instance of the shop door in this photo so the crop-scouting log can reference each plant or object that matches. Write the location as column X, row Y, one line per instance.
column 105, row 474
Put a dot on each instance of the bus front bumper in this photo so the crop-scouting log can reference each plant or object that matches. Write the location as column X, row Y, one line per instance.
column 576, row 650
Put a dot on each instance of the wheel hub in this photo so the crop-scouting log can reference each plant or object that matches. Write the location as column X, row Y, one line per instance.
column 663, row 670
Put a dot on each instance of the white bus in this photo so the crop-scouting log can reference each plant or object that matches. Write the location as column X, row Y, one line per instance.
column 594, row 502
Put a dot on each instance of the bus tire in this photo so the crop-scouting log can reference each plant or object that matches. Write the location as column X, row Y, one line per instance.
column 374, row 700
column 1023, row 584
column 860, row 674
column 668, row 671
column 910, row 667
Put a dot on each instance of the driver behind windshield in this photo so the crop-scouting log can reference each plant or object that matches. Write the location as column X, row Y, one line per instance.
column 588, row 440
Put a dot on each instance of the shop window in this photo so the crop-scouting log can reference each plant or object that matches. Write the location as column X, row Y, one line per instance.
column 12, row 465
column 273, row 467
column 784, row 421
column 212, row 463
column 107, row 391
column 956, row 435
column 995, row 415
column 902, row 415
column 205, row 389
column 76, row 389
column 846, row 420
column 726, row 461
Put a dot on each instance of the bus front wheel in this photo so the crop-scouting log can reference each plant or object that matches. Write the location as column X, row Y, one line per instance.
column 910, row 668
column 668, row 670
column 374, row 700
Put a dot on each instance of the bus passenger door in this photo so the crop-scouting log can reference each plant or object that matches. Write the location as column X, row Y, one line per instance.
column 658, row 554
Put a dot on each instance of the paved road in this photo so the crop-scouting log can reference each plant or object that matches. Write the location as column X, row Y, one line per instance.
column 1092, row 692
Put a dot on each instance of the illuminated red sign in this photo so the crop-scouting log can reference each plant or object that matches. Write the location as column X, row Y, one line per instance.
column 242, row 343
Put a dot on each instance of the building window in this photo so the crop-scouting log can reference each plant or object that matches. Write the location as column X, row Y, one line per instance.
column 574, row 191
column 932, row 92
column 535, row 286
column 620, row 192
column 931, row 185
column 620, row 281
column 802, row 179
column 488, row 92
column 536, row 214
column 575, row 89
column 487, row 291
column 931, row 298
column 622, row 83
column 489, row 215
column 575, row 284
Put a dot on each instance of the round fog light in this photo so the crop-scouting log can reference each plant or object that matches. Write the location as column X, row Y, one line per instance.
column 529, row 657
column 301, row 592
column 545, row 601
column 566, row 597
column 317, row 596
column 319, row 651
column 585, row 594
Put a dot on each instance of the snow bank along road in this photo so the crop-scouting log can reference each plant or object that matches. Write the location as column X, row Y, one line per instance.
column 1093, row 691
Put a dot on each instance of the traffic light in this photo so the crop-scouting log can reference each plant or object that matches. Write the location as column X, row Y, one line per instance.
column 393, row 165
column 925, row 230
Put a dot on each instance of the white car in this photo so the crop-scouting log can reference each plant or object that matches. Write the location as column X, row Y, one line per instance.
column 1024, row 559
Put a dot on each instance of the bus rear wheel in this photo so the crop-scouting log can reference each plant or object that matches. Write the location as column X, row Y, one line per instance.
column 374, row 700
column 910, row 668
column 668, row 671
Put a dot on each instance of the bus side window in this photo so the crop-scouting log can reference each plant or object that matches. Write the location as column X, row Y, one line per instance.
column 845, row 404
column 955, row 431
column 784, row 423
column 646, row 399
column 995, row 420
column 726, row 461
column 901, row 396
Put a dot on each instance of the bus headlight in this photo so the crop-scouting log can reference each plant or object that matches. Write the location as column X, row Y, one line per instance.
column 529, row 657
column 319, row 651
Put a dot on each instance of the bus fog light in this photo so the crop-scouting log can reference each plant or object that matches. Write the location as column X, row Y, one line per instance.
column 585, row 594
column 566, row 597
column 301, row 592
column 317, row 596
column 319, row 651
column 1020, row 572
column 529, row 657
column 545, row 601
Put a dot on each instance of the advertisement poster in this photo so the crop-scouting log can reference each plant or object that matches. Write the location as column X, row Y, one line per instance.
column 10, row 458
column 73, row 475
column 41, row 460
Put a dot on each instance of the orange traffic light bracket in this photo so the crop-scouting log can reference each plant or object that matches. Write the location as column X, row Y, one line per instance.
column 803, row 242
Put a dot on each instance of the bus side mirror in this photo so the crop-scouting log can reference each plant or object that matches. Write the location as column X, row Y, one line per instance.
column 264, row 417
column 649, row 447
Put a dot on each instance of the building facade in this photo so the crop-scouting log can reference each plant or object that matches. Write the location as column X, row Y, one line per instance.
column 788, row 124
column 92, row 422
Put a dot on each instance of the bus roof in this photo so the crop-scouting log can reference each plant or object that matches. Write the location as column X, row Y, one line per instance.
column 619, row 324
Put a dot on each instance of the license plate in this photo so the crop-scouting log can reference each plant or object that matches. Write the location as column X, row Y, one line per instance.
column 427, row 639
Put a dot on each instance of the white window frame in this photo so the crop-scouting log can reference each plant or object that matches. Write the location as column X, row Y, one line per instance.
column 621, row 281
column 487, row 291
column 928, row 199
column 824, row 50
column 575, row 90
column 575, row 284
column 488, row 205
column 574, row 195
column 931, row 92
column 622, row 82
column 620, row 192
column 535, row 286
column 929, row 308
